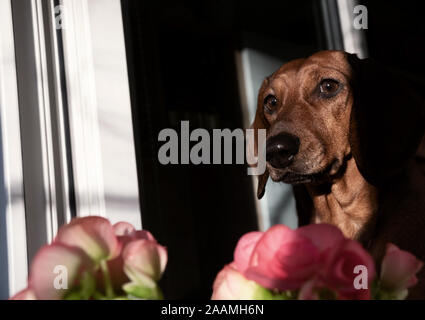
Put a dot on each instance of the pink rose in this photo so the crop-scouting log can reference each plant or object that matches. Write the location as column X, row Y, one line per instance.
column 399, row 268
column 339, row 265
column 282, row 259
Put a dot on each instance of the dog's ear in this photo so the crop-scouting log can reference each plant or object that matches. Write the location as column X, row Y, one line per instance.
column 387, row 120
column 260, row 123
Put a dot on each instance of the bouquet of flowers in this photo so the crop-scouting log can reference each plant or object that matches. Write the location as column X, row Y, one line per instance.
column 312, row 262
column 91, row 259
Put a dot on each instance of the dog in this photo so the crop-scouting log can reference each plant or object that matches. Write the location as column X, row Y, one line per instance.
column 345, row 133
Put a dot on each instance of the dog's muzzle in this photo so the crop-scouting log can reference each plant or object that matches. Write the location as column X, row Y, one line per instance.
column 281, row 150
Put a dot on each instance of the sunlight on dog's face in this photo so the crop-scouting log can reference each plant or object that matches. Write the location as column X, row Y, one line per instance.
column 306, row 105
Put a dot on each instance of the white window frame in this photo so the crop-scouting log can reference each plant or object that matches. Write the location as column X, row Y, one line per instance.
column 59, row 157
column 354, row 40
column 13, row 250
column 95, row 54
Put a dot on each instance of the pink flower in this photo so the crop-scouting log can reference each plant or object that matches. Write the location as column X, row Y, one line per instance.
column 323, row 236
column 399, row 268
column 123, row 228
column 339, row 257
column 339, row 266
column 94, row 235
column 316, row 259
column 312, row 262
column 144, row 261
column 230, row 284
column 244, row 249
column 126, row 233
column 282, row 259
column 41, row 282
column 96, row 259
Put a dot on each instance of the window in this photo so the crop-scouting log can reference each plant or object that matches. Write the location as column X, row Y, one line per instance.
column 66, row 129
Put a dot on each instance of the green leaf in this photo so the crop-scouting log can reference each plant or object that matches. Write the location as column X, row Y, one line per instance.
column 138, row 291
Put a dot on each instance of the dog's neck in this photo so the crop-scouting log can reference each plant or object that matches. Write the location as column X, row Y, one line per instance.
column 349, row 202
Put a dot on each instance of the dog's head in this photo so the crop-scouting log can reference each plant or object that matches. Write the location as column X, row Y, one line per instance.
column 322, row 110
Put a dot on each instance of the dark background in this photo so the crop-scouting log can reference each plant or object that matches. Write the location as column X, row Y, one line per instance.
column 396, row 35
column 181, row 57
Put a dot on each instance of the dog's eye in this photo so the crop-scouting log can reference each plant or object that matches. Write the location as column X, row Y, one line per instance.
column 270, row 103
column 329, row 87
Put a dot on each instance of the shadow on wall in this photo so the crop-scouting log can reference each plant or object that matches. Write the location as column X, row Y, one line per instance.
column 4, row 271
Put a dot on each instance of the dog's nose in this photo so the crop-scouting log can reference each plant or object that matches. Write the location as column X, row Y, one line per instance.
column 281, row 149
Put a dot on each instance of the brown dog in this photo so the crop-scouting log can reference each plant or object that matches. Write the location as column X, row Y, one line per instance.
column 345, row 132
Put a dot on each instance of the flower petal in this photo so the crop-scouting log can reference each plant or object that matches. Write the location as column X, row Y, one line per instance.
column 322, row 235
column 230, row 284
column 143, row 234
column 53, row 262
column 338, row 270
column 123, row 228
column 26, row 294
column 282, row 259
column 399, row 269
column 128, row 236
column 144, row 259
column 116, row 265
column 94, row 235
column 244, row 249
